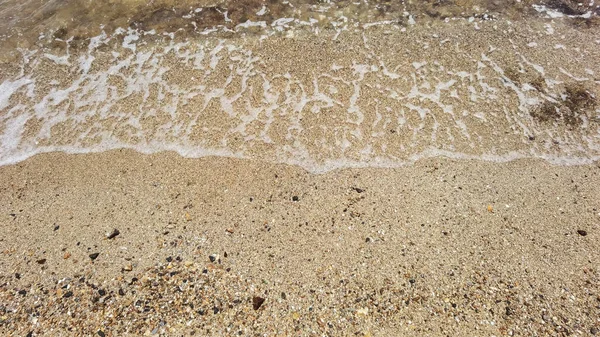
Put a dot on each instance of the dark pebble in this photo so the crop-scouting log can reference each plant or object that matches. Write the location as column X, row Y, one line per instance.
column 30, row 334
column 41, row 261
column 358, row 190
column 113, row 234
column 23, row 292
column 121, row 292
column 295, row 198
column 224, row 254
column 56, row 227
column 17, row 276
column 215, row 310
column 283, row 295
column 101, row 333
column 594, row 331
column 94, row 256
column 169, row 259
column 581, row 232
column 101, row 292
column 212, row 258
column 257, row 302
column 68, row 294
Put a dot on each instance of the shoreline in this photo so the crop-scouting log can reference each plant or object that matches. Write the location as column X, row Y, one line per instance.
column 440, row 247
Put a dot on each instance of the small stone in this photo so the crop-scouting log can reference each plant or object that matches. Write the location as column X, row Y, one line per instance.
column 113, row 234
column 23, row 292
column 229, row 230
column 56, row 227
column 594, row 331
column 101, row 333
column 169, row 259
column 581, row 232
column 216, row 310
column 363, row 311
column 128, row 267
column 369, row 239
column 213, row 257
column 94, row 256
column 295, row 198
column 101, row 292
column 283, row 295
column 41, row 261
column 188, row 263
column 68, row 294
column 66, row 255
column 257, row 302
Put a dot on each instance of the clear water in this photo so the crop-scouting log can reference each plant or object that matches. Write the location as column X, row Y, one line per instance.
column 319, row 84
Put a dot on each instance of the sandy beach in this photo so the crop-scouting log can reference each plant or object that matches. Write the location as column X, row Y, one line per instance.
column 299, row 168
column 441, row 248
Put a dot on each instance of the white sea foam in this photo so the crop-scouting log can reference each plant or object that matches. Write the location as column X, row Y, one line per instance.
column 218, row 97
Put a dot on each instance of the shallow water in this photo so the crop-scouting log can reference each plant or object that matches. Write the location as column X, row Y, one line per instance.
column 322, row 85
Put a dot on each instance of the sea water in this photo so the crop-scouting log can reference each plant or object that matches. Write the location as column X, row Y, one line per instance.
column 319, row 84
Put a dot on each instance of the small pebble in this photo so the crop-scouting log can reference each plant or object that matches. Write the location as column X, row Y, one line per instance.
column 257, row 302
column 94, row 256
column 113, row 234
column 581, row 232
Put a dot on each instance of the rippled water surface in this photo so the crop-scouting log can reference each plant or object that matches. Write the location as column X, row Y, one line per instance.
column 320, row 84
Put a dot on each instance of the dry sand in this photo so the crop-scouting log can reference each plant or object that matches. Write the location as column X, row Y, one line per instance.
column 441, row 248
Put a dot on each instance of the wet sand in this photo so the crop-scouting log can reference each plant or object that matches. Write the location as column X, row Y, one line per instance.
column 441, row 248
